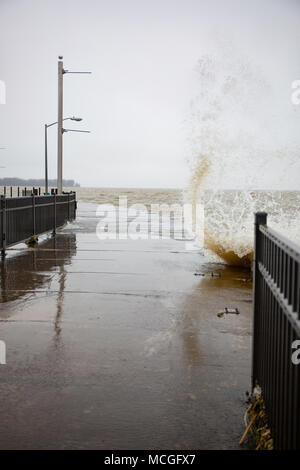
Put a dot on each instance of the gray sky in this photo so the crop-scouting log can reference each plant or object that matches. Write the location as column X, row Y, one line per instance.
column 143, row 56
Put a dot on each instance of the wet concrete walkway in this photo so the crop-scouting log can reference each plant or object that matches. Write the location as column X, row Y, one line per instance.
column 117, row 345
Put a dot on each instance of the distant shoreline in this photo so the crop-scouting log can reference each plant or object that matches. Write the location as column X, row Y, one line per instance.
column 13, row 181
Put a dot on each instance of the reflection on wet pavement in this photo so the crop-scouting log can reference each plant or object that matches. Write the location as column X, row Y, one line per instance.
column 32, row 268
column 116, row 344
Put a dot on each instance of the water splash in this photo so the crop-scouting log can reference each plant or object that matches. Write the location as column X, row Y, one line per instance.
column 245, row 141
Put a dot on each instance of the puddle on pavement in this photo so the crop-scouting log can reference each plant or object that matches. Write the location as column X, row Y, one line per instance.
column 31, row 269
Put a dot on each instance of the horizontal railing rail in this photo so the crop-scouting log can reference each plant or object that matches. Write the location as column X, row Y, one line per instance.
column 22, row 217
column 276, row 331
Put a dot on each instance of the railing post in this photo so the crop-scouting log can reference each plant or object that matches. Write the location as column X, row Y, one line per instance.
column 74, row 205
column 33, row 213
column 54, row 208
column 3, row 234
column 260, row 219
column 68, row 207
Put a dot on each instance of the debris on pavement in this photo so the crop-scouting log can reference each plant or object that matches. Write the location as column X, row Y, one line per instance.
column 234, row 311
column 256, row 421
column 32, row 240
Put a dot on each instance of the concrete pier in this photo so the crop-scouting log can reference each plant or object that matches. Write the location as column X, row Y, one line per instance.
column 116, row 344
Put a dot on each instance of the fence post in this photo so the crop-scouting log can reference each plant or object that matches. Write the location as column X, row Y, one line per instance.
column 54, row 207
column 3, row 234
column 260, row 219
column 74, row 206
column 68, row 207
column 33, row 213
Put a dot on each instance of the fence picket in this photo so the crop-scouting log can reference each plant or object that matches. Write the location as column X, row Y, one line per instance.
column 276, row 324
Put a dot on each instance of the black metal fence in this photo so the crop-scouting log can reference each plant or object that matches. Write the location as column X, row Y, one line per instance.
column 22, row 217
column 276, row 328
column 13, row 191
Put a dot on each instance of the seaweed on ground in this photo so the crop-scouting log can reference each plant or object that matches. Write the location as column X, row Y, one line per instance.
column 256, row 422
column 32, row 241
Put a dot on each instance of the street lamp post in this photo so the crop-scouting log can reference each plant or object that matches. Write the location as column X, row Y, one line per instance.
column 73, row 118
column 46, row 160
column 60, row 130
column 59, row 126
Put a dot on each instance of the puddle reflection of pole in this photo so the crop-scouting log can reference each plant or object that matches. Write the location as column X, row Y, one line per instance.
column 61, row 282
column 67, row 246
column 34, row 256
column 191, row 326
column 3, row 280
column 60, row 299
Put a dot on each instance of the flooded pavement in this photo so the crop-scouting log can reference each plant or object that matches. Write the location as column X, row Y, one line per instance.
column 116, row 344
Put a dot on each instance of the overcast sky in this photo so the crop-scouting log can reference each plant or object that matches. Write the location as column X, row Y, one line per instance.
column 143, row 55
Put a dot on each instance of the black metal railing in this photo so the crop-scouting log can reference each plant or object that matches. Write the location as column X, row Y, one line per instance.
column 22, row 217
column 13, row 191
column 276, row 328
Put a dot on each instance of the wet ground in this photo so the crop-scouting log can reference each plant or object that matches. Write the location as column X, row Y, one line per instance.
column 116, row 344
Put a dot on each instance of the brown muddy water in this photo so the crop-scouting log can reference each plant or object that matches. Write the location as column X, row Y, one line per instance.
column 116, row 343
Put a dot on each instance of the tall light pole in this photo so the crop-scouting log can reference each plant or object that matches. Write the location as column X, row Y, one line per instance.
column 46, row 160
column 59, row 125
column 73, row 118
column 60, row 129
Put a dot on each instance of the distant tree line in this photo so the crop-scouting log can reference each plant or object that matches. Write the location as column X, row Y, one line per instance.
column 35, row 182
